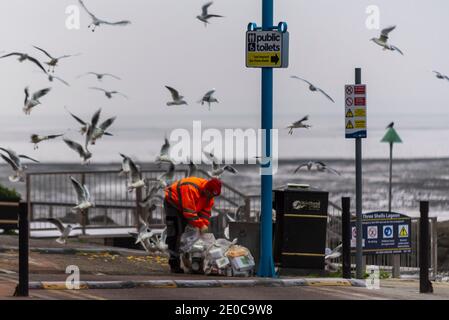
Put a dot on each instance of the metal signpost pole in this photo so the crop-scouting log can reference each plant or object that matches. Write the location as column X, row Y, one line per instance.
column 358, row 194
column 266, row 264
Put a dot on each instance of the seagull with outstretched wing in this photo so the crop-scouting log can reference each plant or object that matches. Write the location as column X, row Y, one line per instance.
column 109, row 94
column 32, row 101
column 54, row 61
column 314, row 88
column 23, row 57
column 383, row 40
column 83, row 200
column 96, row 22
column 299, row 124
column 177, row 99
column 14, row 160
column 36, row 138
column 205, row 15
column 84, row 153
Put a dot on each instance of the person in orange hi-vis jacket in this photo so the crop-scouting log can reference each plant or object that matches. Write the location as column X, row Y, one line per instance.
column 187, row 201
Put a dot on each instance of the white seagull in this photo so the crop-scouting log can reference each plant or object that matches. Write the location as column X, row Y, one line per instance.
column 14, row 160
column 383, row 40
column 441, row 76
column 32, row 101
column 143, row 235
column 164, row 154
column 334, row 254
column 100, row 76
column 95, row 132
column 135, row 180
column 84, row 153
column 319, row 165
column 54, row 61
column 208, row 98
column 205, row 15
column 23, row 57
column 83, row 201
column 314, row 88
column 299, row 124
column 96, row 22
column 217, row 170
column 36, row 139
column 52, row 78
column 176, row 97
column 65, row 230
column 109, row 94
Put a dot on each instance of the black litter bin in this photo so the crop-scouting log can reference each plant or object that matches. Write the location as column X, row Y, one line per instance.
column 9, row 215
column 300, row 230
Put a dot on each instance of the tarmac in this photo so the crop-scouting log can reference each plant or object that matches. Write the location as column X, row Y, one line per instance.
column 110, row 273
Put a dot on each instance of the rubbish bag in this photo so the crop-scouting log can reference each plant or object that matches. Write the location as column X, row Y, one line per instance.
column 194, row 247
column 188, row 238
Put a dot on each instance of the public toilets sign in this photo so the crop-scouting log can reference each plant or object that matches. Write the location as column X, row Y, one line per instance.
column 384, row 233
column 266, row 49
column 355, row 111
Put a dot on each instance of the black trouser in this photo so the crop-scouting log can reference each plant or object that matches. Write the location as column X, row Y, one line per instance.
column 176, row 225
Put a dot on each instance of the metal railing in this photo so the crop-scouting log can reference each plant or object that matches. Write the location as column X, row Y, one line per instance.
column 51, row 195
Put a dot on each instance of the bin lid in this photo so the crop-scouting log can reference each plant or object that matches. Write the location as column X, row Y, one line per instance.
column 297, row 187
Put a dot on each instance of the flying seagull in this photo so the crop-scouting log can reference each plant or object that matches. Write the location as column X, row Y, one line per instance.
column 23, row 57
column 383, row 40
column 54, row 61
column 100, row 76
column 164, row 154
column 36, row 139
column 95, row 132
column 391, row 125
column 208, row 98
column 152, row 199
column 84, row 153
column 177, row 99
column 109, row 94
column 314, row 88
column 96, row 22
column 135, row 180
column 205, row 15
column 217, row 170
column 319, row 165
column 334, row 254
column 65, row 230
column 441, row 76
column 82, row 195
column 33, row 101
column 144, row 233
column 14, row 160
column 299, row 124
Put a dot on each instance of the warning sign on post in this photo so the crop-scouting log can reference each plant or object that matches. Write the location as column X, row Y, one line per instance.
column 355, row 111
column 267, row 49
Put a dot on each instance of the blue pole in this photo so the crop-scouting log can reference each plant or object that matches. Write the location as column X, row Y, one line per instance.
column 266, row 264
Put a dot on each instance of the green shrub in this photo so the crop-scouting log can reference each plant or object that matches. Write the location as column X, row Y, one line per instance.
column 9, row 194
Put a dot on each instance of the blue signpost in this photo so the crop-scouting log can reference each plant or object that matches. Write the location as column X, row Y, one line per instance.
column 267, row 48
column 266, row 263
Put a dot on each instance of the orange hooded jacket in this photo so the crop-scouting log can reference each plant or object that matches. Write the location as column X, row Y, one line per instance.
column 186, row 195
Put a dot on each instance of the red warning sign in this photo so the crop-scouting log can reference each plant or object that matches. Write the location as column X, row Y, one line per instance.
column 360, row 89
column 360, row 101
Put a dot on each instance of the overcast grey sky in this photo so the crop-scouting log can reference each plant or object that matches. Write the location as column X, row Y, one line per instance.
column 166, row 45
